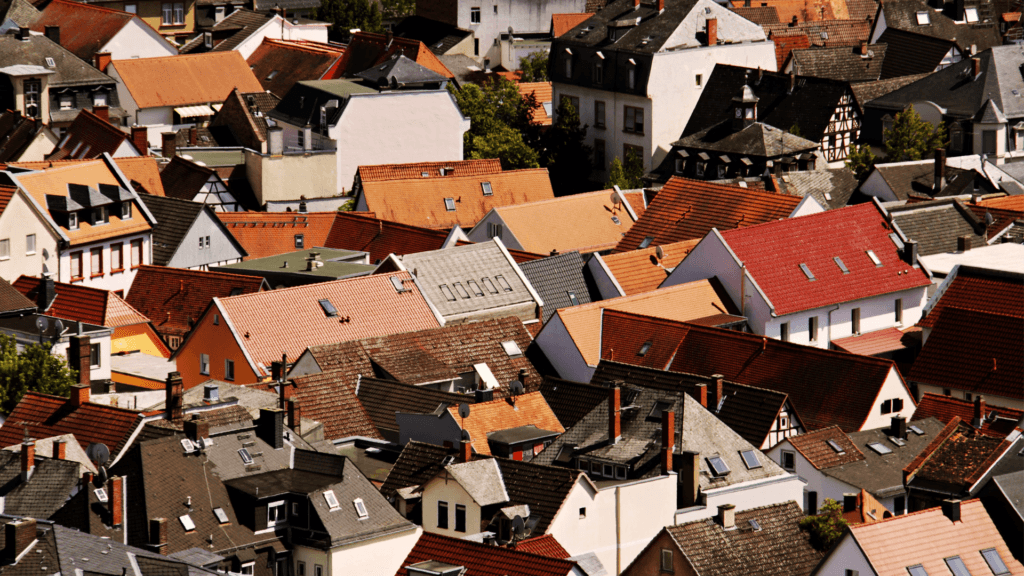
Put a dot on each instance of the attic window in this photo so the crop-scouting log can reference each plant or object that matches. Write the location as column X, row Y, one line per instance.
column 956, row 566
column 718, row 466
column 486, row 187
column 331, row 499
column 659, row 407
column 917, row 570
column 645, row 348
column 572, row 298
column 461, row 290
column 235, row 291
column 299, row 241
column 994, row 561
column 329, row 310
column 187, row 522
column 512, row 348
column 101, row 494
column 880, row 448
column 360, row 509
column 449, row 204
column 424, row 174
column 447, row 292
column 923, row 18
column 503, row 283
column 916, row 430
column 971, row 14
column 754, row 525
column 246, row 457
column 489, row 285
column 646, row 242
column 750, row 459
column 475, row 288
column 898, row 441
column 842, row 266
column 807, row 272
column 222, row 516
column 616, row 220
column 52, row 64
column 272, row 74
column 835, row 446
column 874, row 258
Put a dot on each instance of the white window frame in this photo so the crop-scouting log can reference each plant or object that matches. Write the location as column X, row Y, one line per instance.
column 179, row 13
column 474, row 15
column 280, row 517
column 67, row 101
column 248, row 568
column 30, row 244
column 204, row 364
column 167, row 14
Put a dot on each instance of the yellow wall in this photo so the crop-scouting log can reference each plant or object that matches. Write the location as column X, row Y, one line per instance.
column 151, row 12
column 140, row 337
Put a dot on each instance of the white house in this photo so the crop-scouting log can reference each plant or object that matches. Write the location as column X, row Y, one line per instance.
column 27, row 242
column 252, row 28
column 116, row 35
column 818, row 278
column 635, row 71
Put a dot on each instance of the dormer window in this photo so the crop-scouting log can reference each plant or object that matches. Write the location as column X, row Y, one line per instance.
column 72, row 220
column 100, row 215
column 126, row 210
column 67, row 101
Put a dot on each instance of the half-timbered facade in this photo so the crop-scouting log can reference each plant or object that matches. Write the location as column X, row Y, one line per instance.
column 786, row 424
column 843, row 129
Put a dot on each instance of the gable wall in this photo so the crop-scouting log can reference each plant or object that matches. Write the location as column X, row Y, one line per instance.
column 219, row 343
column 222, row 250
column 17, row 221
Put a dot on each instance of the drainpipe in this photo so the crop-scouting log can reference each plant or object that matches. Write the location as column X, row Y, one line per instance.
column 828, row 347
column 743, row 290
column 618, row 530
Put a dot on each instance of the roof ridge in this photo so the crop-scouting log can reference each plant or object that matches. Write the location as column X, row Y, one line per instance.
column 936, row 509
column 302, row 47
column 410, row 227
column 554, row 200
column 315, row 287
column 91, row 404
column 94, row 7
column 204, row 273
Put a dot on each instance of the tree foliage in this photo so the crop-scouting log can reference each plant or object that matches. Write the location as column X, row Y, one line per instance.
column 345, row 15
column 32, row 369
column 501, row 123
column 861, row 160
column 628, row 175
column 825, row 528
column 534, row 67
column 912, row 138
column 397, row 8
column 567, row 158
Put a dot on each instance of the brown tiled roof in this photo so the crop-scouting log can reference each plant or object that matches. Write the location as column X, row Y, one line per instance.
column 384, row 172
column 84, row 304
column 872, row 343
column 11, row 300
column 143, row 172
column 981, row 290
column 841, row 62
column 545, row 545
column 928, row 537
column 540, row 226
column 1001, row 218
column 84, row 28
column 89, row 136
column 824, row 32
column 999, row 420
column 421, row 201
column 45, row 416
column 958, row 456
column 503, row 414
column 758, row 14
column 183, row 179
column 861, row 9
column 362, row 232
column 175, row 298
column 367, row 49
column 417, row 463
column 483, row 559
column 264, row 234
column 562, row 23
column 815, row 448
column 685, row 209
column 382, row 399
column 1006, row 203
column 331, row 400
column 867, row 91
column 199, row 78
column 293, row 62
column 639, row 271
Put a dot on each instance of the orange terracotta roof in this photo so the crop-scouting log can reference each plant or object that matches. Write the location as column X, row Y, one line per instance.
column 641, row 271
column 383, row 172
column 421, row 201
column 683, row 303
column 543, row 226
column 363, row 233
column 929, row 537
column 1006, row 203
column 784, row 45
column 542, row 92
column 83, row 303
column 804, row 10
column 291, row 319
column 6, row 193
column 562, row 23
column 89, row 136
column 44, row 416
column 54, row 181
column 367, row 49
column 264, row 234
column 497, row 415
column 143, row 171
column 1011, row 16
column 545, row 545
column 197, row 78
column 814, row 446
column 945, row 408
column 637, row 202
column 871, row 343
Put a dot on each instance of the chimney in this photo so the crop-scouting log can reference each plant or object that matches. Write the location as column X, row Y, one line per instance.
column 793, row 22
column 951, row 510
column 863, row 47
column 702, row 394
column 465, row 451
column 963, row 243
column 715, row 398
column 116, row 500
column 140, row 139
column 792, row 82
column 19, row 535
column 295, row 416
column 168, row 150
column 307, row 137
column 60, row 449
column 196, row 428
column 898, row 427
column 270, row 427
column 958, row 10
column 712, row 31
column 940, row 170
column 614, row 408
column 302, row 205
column 668, row 440
column 910, row 252
column 481, row 395
column 102, row 112
column 636, row 4
column 47, row 292
column 976, row 65
column 86, row 480
column 79, row 394
column 211, row 393
column 158, row 534
column 849, row 502
column 726, row 516
column 23, row 34
column 689, row 479
column 172, row 402
column 275, row 139
column 101, row 60
column 661, row 5
column 28, row 459
column 193, row 136
column 979, row 412
column 79, row 352
column 53, row 33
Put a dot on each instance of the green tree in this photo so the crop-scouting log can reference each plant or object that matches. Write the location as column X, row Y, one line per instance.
column 32, row 369
column 507, row 145
column 626, row 176
column 534, row 67
column 795, row 129
column 397, row 8
column 912, row 138
column 861, row 160
column 825, row 528
column 345, row 15
column 496, row 110
column 567, row 158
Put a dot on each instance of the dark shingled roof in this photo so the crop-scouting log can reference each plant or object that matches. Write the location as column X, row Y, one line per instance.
column 174, row 219
column 571, row 401
column 864, row 92
column 11, row 299
column 382, row 398
column 183, row 178
column 439, row 37
column 981, row 289
column 90, row 133
column 998, row 420
column 911, row 53
column 45, row 491
column 937, row 225
column 907, row 179
column 330, row 398
column 417, row 463
column 757, row 139
column 554, row 278
column 17, row 132
column 657, row 27
column 779, row 548
column 902, row 15
column 69, row 70
column 398, row 71
column 832, row 187
column 841, row 62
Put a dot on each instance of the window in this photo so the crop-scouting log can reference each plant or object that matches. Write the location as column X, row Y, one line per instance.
column 994, row 561
column 489, row 285
column 461, row 290
column 329, row 310
column 784, row 332
column 245, row 456
column 300, row 139
column 331, row 499
column 855, row 320
column 5, row 249
column 599, row 114
column 971, row 14
column 447, row 292
column 200, row 242
column 923, row 18
column 874, row 258
column 179, row 13
column 449, row 204
column 956, row 135
column 897, row 404
column 67, row 101
column 583, row 513
column 222, row 517
column 460, row 518
column 573, row 101
column 495, row 9
column 96, row 262
column 475, row 287
column 486, row 188
column 718, row 466
column 476, row 47
column 835, row 446
column 136, row 253
column 442, row 515
column 99, row 99
column 247, row 568
column 512, row 349
column 361, row 509
column 750, row 459
column 572, row 298
column 598, row 72
column 607, row 471
column 275, row 513
column 899, row 310
column 811, row 507
column 229, row 369
column 917, row 570
column 72, row 221
column 956, row 566
column 788, row 460
column 880, row 448
column 698, row 80
column 318, row 570
column 634, row 119
column 849, row 572
column 204, row 364
column 126, row 210
column 167, row 14
column 568, row 66
column 76, row 264
column 631, row 78
column 988, row 141
column 300, row 568
column 812, row 328
column 32, row 90
column 300, row 241
column 680, row 165
column 899, row 505
column 842, row 266
column 94, row 356
column 722, row 171
column 666, row 560
column 628, row 153
column 599, row 152
column 474, row 15
column 807, row 272
column 100, row 215
column 187, row 523
column 503, row 283
column 494, row 231
column 131, row 8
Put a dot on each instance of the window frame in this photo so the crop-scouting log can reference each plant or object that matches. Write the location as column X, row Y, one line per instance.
column 72, row 220
column 281, row 517
column 812, row 329
column 789, row 455
column 137, row 244
column 204, row 364
column 166, row 14
column 667, row 561
column 117, row 253
column 229, row 370
column 600, row 114
column 898, row 310
column 442, row 519
column 474, row 15
column 126, row 211
column 600, row 160
column 598, row 72
column 76, row 257
column 855, row 320
column 631, row 127
column 460, row 514
column 179, row 13
column 5, row 249
column 784, row 332
column 95, row 359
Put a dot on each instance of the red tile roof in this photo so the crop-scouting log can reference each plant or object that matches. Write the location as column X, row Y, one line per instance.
column 45, row 416
column 144, row 172
column 639, row 271
column 367, row 49
column 542, row 92
column 871, row 343
column 293, row 62
column 773, row 253
column 975, row 351
column 198, row 78
column 483, row 559
column 362, row 232
column 978, row 289
column 815, row 448
column 84, row 304
column 685, row 209
column 496, row 415
column 808, row 375
column 175, row 298
column 6, row 193
column 383, row 172
column 958, row 455
column 945, row 408
column 1001, row 217
column 264, row 234
column 784, row 45
column 89, row 136
column 84, row 28
column 545, row 545
column 562, row 23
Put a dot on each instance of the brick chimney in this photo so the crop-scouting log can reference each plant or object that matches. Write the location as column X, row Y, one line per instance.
column 47, row 292
column 668, row 440
column 716, row 395
column 898, row 427
column 295, row 416
column 102, row 112
column 702, row 394
column 689, row 479
column 53, row 33
column 863, row 47
column 60, row 449
column 168, row 151
column 158, row 534
column 661, row 5
column 465, row 451
column 712, row 31
column 79, row 352
column 196, row 428
column 79, row 394
column 951, row 510
column 28, row 459
column 19, row 535
column 979, row 412
column 172, row 402
column 976, row 66
column 116, row 500
column 140, row 139
column 940, row 170
column 193, row 136
column 614, row 414
column 101, row 60
column 726, row 516
column 636, row 4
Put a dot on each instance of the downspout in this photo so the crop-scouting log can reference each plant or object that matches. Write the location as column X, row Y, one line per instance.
column 829, row 346
column 743, row 290
column 618, row 530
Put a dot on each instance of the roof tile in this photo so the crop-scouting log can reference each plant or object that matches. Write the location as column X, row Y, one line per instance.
column 977, row 289
column 540, row 226
column 384, row 172
column 503, row 414
column 639, row 271
column 815, row 447
column 562, row 23
column 84, row 28
column 483, row 559
column 199, row 78
column 45, row 416
column 292, row 62
column 84, row 304
column 264, row 234
column 945, row 408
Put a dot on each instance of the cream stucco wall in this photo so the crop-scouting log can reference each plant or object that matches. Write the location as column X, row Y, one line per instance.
column 445, row 489
column 289, row 176
column 44, row 143
column 108, row 280
column 138, row 40
column 376, row 557
column 17, row 221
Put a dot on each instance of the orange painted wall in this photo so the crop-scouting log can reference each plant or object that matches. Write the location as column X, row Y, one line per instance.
column 140, row 337
column 136, row 381
column 217, row 341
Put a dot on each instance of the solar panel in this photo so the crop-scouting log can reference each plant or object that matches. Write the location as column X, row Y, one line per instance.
column 957, row 566
column 994, row 561
column 221, row 515
column 835, row 446
column 880, row 448
column 750, row 459
column 718, row 466
column 246, row 457
column 917, row 430
column 917, row 570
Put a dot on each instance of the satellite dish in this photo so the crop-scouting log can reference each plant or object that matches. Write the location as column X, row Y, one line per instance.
column 466, row 437
column 46, row 254
column 98, row 453
column 464, row 410
column 616, row 200
column 41, row 323
column 660, row 252
column 516, row 388
column 518, row 526
column 59, row 327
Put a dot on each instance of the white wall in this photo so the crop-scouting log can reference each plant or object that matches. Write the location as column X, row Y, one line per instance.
column 138, row 40
column 496, row 16
column 442, row 489
column 747, row 495
column 845, row 556
column 825, row 486
column 377, row 557
column 561, row 351
column 43, row 143
column 108, row 281
column 276, row 29
column 101, row 372
column 606, row 283
column 17, row 221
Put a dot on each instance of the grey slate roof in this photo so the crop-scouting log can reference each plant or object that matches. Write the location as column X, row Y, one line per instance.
column 912, row 53
column 554, row 277
column 571, row 401
column 758, row 139
column 989, row 114
column 864, row 92
column 417, row 463
column 832, row 187
column 902, row 14
column 1012, row 487
column 229, row 32
column 840, row 62
column 398, row 71
column 108, row 556
column 916, row 178
column 382, row 398
column 45, row 491
column 68, row 69
column 174, row 218
column 936, row 225
column 21, row 12
column 301, row 105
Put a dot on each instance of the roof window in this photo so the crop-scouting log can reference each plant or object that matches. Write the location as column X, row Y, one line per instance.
column 425, row 174
column 449, row 204
column 616, row 220
column 50, row 63
column 645, row 348
column 880, row 448
column 750, row 459
column 486, row 187
column 101, row 494
column 835, row 446
column 956, row 566
column 187, row 444
column 572, row 298
column 398, row 284
column 718, row 466
column 272, row 74
column 897, row 441
column 475, row 288
column 222, row 516
column 917, row 570
column 331, row 499
column 447, row 292
column 246, row 457
column 754, row 525
column 235, row 291
column 924, row 18
column 646, row 242
column 874, row 258
column 300, row 241
column 360, row 509
column 971, row 14
column 842, row 266
column 489, row 285
column 807, row 272
column 512, row 348
column 461, row 290
column 503, row 283
column 994, row 561
column 187, row 522
column 659, row 407
column 329, row 308
column 916, row 430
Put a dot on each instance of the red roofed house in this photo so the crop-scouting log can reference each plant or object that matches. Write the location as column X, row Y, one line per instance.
column 985, row 418
column 91, row 135
column 380, row 237
column 279, row 64
column 237, row 338
column 816, row 278
column 437, row 554
column 89, row 31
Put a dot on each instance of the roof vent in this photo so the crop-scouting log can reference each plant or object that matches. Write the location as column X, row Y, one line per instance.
column 399, row 284
column 211, row 393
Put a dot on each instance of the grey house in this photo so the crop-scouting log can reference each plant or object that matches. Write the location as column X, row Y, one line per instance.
column 189, row 235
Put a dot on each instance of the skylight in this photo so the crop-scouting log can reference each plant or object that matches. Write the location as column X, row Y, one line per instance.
column 880, row 448
column 489, row 285
column 329, row 308
column 486, row 187
column 449, row 204
column 645, row 348
column 750, row 459
column 718, row 466
column 272, row 74
column 754, row 525
column 659, row 407
column 957, row 566
column 101, row 494
column 916, row 430
column 971, row 14
column 512, row 349
column 842, row 266
column 397, row 283
column 475, row 288
column 188, row 446
column 917, row 570
column 503, row 283
column 461, row 290
column 424, row 174
column 835, row 446
column 246, row 457
column 897, row 441
column 924, row 18
column 616, row 220
column 447, row 293
column 994, row 561
column 572, row 298
column 221, row 515
column 874, row 259
column 187, row 522
column 360, row 509
column 807, row 272
column 51, row 63
column 331, row 499
column 646, row 242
